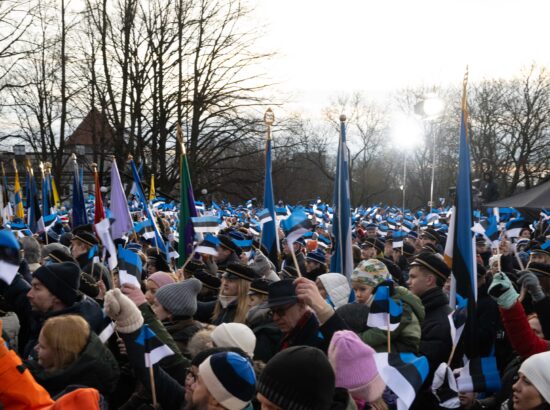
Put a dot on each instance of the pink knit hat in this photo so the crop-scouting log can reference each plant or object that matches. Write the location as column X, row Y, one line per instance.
column 354, row 366
column 161, row 279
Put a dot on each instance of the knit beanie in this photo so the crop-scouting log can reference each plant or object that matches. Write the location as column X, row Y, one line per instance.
column 354, row 366
column 180, row 299
column 235, row 335
column 161, row 279
column 61, row 279
column 371, row 272
column 535, row 368
column 298, row 378
column 229, row 378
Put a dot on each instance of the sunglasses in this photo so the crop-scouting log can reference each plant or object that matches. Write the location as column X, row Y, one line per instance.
column 280, row 311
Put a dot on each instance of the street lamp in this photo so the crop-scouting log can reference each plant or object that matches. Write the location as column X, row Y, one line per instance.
column 406, row 133
column 429, row 109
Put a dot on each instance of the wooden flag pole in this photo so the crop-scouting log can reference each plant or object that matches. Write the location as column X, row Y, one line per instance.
column 188, row 260
column 451, row 355
column 291, row 247
column 389, row 334
column 153, row 388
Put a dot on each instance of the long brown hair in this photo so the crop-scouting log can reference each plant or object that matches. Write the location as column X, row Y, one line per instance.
column 67, row 336
column 243, row 288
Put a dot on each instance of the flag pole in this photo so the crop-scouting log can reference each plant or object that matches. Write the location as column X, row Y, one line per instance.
column 291, row 247
column 153, row 388
column 389, row 334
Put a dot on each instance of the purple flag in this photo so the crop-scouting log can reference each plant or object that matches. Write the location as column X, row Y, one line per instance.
column 119, row 206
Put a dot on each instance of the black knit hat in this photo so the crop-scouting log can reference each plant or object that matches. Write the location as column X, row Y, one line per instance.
column 85, row 233
column 240, row 271
column 61, row 279
column 209, row 281
column 298, row 378
column 434, row 263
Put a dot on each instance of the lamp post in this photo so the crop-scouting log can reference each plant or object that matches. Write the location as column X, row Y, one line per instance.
column 429, row 109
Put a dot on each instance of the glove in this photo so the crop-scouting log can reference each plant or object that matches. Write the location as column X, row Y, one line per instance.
column 123, row 311
column 134, row 294
column 502, row 291
column 530, row 282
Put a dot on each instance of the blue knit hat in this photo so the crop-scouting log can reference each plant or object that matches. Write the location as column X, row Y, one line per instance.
column 230, row 379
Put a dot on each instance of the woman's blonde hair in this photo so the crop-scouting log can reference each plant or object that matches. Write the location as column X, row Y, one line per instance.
column 66, row 336
column 243, row 287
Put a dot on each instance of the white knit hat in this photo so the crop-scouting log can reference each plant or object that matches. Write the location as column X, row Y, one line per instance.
column 235, row 335
column 535, row 368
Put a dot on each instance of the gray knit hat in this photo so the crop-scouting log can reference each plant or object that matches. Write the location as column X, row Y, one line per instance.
column 180, row 299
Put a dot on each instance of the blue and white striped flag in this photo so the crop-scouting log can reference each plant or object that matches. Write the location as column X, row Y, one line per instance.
column 155, row 349
column 342, row 258
column 264, row 216
column 206, row 224
column 385, row 313
column 295, row 225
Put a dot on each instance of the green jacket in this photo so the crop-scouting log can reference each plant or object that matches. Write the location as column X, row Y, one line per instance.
column 406, row 338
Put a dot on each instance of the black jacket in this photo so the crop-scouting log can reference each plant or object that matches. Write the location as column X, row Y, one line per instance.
column 300, row 258
column 181, row 330
column 32, row 321
column 268, row 335
column 542, row 308
column 435, row 342
column 227, row 314
column 95, row 367
column 488, row 321
column 309, row 333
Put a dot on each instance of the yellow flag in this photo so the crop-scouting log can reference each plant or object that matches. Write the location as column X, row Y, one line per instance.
column 56, row 201
column 152, row 194
column 19, row 211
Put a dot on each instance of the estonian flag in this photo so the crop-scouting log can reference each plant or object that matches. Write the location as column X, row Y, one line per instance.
column 145, row 229
column 384, row 311
column 264, row 216
column 397, row 239
column 129, row 266
column 9, row 256
column 108, row 328
column 479, row 374
column 208, row 245
column 492, row 231
column 514, row 227
column 404, row 373
column 206, row 224
column 445, row 388
column 155, row 350
column 458, row 318
column 295, row 225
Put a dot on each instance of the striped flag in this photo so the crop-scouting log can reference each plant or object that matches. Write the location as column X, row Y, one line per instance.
column 206, row 224
column 479, row 374
column 444, row 387
column 458, row 318
column 145, row 229
column 460, row 245
column 9, row 256
column 404, row 373
column 295, row 225
column 155, row 350
column 264, row 216
column 341, row 260
column 35, row 220
column 79, row 216
column 129, row 266
column 208, row 246
column 385, row 313
column 103, row 232
column 108, row 328
column 514, row 227
column 19, row 211
column 270, row 238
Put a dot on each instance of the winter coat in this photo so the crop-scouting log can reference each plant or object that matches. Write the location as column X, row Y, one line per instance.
column 337, row 287
column 32, row 321
column 19, row 390
column 227, row 314
column 436, row 343
column 182, row 329
column 95, row 367
column 268, row 335
column 523, row 339
column 542, row 308
column 406, row 338
column 205, row 310
column 308, row 332
column 300, row 258
column 488, row 321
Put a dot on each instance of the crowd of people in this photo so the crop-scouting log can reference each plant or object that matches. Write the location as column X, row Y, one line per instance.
column 241, row 331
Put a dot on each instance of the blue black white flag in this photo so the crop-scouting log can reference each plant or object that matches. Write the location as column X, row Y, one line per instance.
column 155, row 350
column 9, row 256
column 385, row 313
column 206, row 224
column 129, row 266
column 295, row 225
column 479, row 374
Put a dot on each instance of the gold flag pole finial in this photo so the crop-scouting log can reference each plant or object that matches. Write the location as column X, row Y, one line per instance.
column 269, row 119
column 179, row 137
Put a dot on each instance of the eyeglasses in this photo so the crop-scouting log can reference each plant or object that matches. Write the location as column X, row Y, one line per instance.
column 280, row 311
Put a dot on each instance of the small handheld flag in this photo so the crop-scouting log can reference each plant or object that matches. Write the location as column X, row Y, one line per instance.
column 479, row 374
column 155, row 350
column 9, row 256
column 206, row 224
column 385, row 313
column 129, row 266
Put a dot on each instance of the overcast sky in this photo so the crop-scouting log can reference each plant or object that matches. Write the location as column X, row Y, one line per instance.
column 331, row 46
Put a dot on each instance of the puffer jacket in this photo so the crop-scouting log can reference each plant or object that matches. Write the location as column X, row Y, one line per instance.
column 406, row 338
column 337, row 287
column 19, row 390
column 95, row 367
